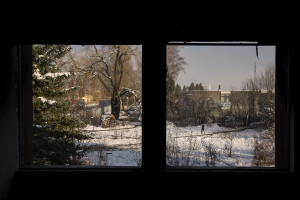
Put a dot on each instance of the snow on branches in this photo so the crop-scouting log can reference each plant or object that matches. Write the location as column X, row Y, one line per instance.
column 39, row 76
column 44, row 100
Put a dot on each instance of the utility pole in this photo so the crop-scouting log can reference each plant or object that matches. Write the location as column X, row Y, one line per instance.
column 255, row 76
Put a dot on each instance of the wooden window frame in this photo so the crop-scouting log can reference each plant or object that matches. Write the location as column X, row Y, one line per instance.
column 154, row 130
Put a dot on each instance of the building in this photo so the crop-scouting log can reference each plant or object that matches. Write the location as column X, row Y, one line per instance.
column 199, row 106
column 225, row 99
column 245, row 101
column 215, row 95
column 88, row 99
column 105, row 105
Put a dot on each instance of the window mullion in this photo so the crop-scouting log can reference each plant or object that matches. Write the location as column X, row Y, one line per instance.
column 154, row 83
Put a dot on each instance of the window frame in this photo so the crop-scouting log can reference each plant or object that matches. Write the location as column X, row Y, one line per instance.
column 284, row 138
column 26, row 115
column 157, row 163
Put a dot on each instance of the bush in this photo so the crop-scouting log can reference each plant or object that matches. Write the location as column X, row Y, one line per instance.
column 264, row 149
column 210, row 154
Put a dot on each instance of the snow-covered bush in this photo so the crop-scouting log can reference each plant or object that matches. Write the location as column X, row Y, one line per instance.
column 210, row 153
column 264, row 149
column 172, row 150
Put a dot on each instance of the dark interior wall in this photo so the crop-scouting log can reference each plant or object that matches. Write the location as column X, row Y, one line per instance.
column 9, row 133
column 43, row 184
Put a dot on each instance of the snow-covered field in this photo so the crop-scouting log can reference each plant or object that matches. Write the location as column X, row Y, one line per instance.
column 186, row 146
column 115, row 146
column 218, row 146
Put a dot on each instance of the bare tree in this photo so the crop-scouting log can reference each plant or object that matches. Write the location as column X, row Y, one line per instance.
column 175, row 63
column 110, row 65
column 266, row 80
column 267, row 97
column 239, row 106
column 203, row 107
column 261, row 92
column 83, row 83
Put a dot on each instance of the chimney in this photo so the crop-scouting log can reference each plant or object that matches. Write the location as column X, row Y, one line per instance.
column 219, row 88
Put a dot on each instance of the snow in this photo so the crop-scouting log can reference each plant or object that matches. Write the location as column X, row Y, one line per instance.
column 55, row 75
column 39, row 76
column 121, row 145
column 99, row 128
column 44, row 100
column 51, row 102
column 92, row 105
column 192, row 144
column 71, row 88
column 114, row 146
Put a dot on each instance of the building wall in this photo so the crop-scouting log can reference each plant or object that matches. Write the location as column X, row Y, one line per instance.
column 105, row 105
column 186, row 110
column 242, row 100
column 216, row 95
column 225, row 96
column 88, row 99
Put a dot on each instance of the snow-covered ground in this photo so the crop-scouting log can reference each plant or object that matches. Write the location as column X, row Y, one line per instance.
column 218, row 146
column 115, row 146
column 186, row 146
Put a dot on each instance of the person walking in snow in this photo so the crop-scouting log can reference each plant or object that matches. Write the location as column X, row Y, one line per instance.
column 202, row 129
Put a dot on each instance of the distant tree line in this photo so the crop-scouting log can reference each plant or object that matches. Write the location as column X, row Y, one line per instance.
column 254, row 103
column 192, row 86
column 177, row 88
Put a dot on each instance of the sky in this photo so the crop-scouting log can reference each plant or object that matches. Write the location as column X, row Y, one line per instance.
column 228, row 66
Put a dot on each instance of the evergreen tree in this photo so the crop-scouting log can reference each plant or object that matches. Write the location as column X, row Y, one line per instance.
column 54, row 129
column 170, row 86
column 177, row 90
column 170, row 91
column 200, row 87
column 192, row 87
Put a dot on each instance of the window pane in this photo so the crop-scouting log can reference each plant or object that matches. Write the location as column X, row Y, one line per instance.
column 87, row 105
column 220, row 106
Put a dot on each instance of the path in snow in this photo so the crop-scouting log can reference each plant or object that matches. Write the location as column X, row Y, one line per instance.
column 218, row 132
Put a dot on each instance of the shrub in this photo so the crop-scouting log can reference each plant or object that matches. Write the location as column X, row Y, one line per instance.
column 264, row 149
column 210, row 153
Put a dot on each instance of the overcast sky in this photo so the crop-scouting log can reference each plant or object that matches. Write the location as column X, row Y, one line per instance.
column 225, row 65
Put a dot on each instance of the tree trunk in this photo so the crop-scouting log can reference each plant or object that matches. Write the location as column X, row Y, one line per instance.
column 115, row 103
column 115, row 107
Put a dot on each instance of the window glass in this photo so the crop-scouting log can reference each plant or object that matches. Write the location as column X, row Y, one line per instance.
column 220, row 103
column 87, row 105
